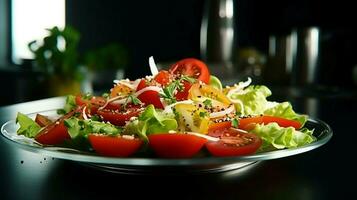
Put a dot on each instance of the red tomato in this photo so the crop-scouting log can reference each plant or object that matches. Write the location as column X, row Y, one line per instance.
column 56, row 132
column 117, row 146
column 92, row 104
column 192, row 67
column 248, row 123
column 149, row 97
column 118, row 116
column 163, row 77
column 217, row 129
column 94, row 100
column 177, row 145
column 183, row 95
column 234, row 143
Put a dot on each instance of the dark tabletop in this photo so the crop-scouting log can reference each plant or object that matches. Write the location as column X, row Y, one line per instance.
column 324, row 173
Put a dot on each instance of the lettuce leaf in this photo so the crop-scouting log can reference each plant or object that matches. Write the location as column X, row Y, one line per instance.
column 278, row 137
column 285, row 110
column 81, row 128
column 68, row 106
column 253, row 99
column 151, row 122
column 28, row 127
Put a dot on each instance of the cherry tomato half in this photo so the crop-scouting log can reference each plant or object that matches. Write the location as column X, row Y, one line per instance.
column 149, row 97
column 119, row 116
column 115, row 146
column 56, row 132
column 92, row 104
column 217, row 129
column 163, row 77
column 248, row 123
column 234, row 143
column 176, row 145
column 192, row 67
column 183, row 95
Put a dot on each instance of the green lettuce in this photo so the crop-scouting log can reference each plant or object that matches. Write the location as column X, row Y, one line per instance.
column 81, row 128
column 253, row 99
column 28, row 127
column 278, row 137
column 68, row 106
column 286, row 111
column 151, row 122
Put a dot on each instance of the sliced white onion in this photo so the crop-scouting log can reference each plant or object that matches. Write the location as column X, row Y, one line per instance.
column 130, row 84
column 111, row 100
column 84, row 113
column 149, row 88
column 209, row 138
column 124, row 99
column 153, row 67
column 238, row 88
column 222, row 113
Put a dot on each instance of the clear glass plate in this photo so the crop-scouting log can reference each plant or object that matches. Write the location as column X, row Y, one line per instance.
column 205, row 163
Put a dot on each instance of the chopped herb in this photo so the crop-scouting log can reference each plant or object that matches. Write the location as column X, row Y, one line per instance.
column 203, row 114
column 105, row 95
column 95, row 118
column 134, row 99
column 168, row 92
column 87, row 96
column 188, row 79
column 207, row 103
column 235, row 123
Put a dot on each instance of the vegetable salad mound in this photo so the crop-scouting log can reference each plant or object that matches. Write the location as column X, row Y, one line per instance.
column 181, row 112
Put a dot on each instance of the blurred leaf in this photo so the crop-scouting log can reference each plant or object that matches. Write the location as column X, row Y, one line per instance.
column 58, row 54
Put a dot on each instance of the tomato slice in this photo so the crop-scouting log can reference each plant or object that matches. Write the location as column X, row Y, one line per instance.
column 183, row 95
column 120, row 116
column 42, row 120
column 56, row 132
column 115, row 146
column 192, row 67
column 248, row 123
column 217, row 129
column 234, row 143
column 281, row 121
column 92, row 104
column 149, row 97
column 163, row 77
column 176, row 145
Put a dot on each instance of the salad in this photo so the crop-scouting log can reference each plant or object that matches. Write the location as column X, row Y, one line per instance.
column 181, row 112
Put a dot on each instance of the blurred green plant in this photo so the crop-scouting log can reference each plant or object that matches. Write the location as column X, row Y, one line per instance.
column 57, row 54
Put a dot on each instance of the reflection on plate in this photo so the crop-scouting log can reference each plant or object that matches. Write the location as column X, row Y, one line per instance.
column 322, row 132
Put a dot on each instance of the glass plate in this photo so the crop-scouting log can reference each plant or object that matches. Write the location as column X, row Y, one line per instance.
column 322, row 132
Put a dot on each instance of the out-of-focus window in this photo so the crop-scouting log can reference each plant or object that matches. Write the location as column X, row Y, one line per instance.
column 29, row 21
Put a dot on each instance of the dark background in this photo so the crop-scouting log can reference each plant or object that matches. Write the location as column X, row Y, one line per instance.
column 170, row 30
